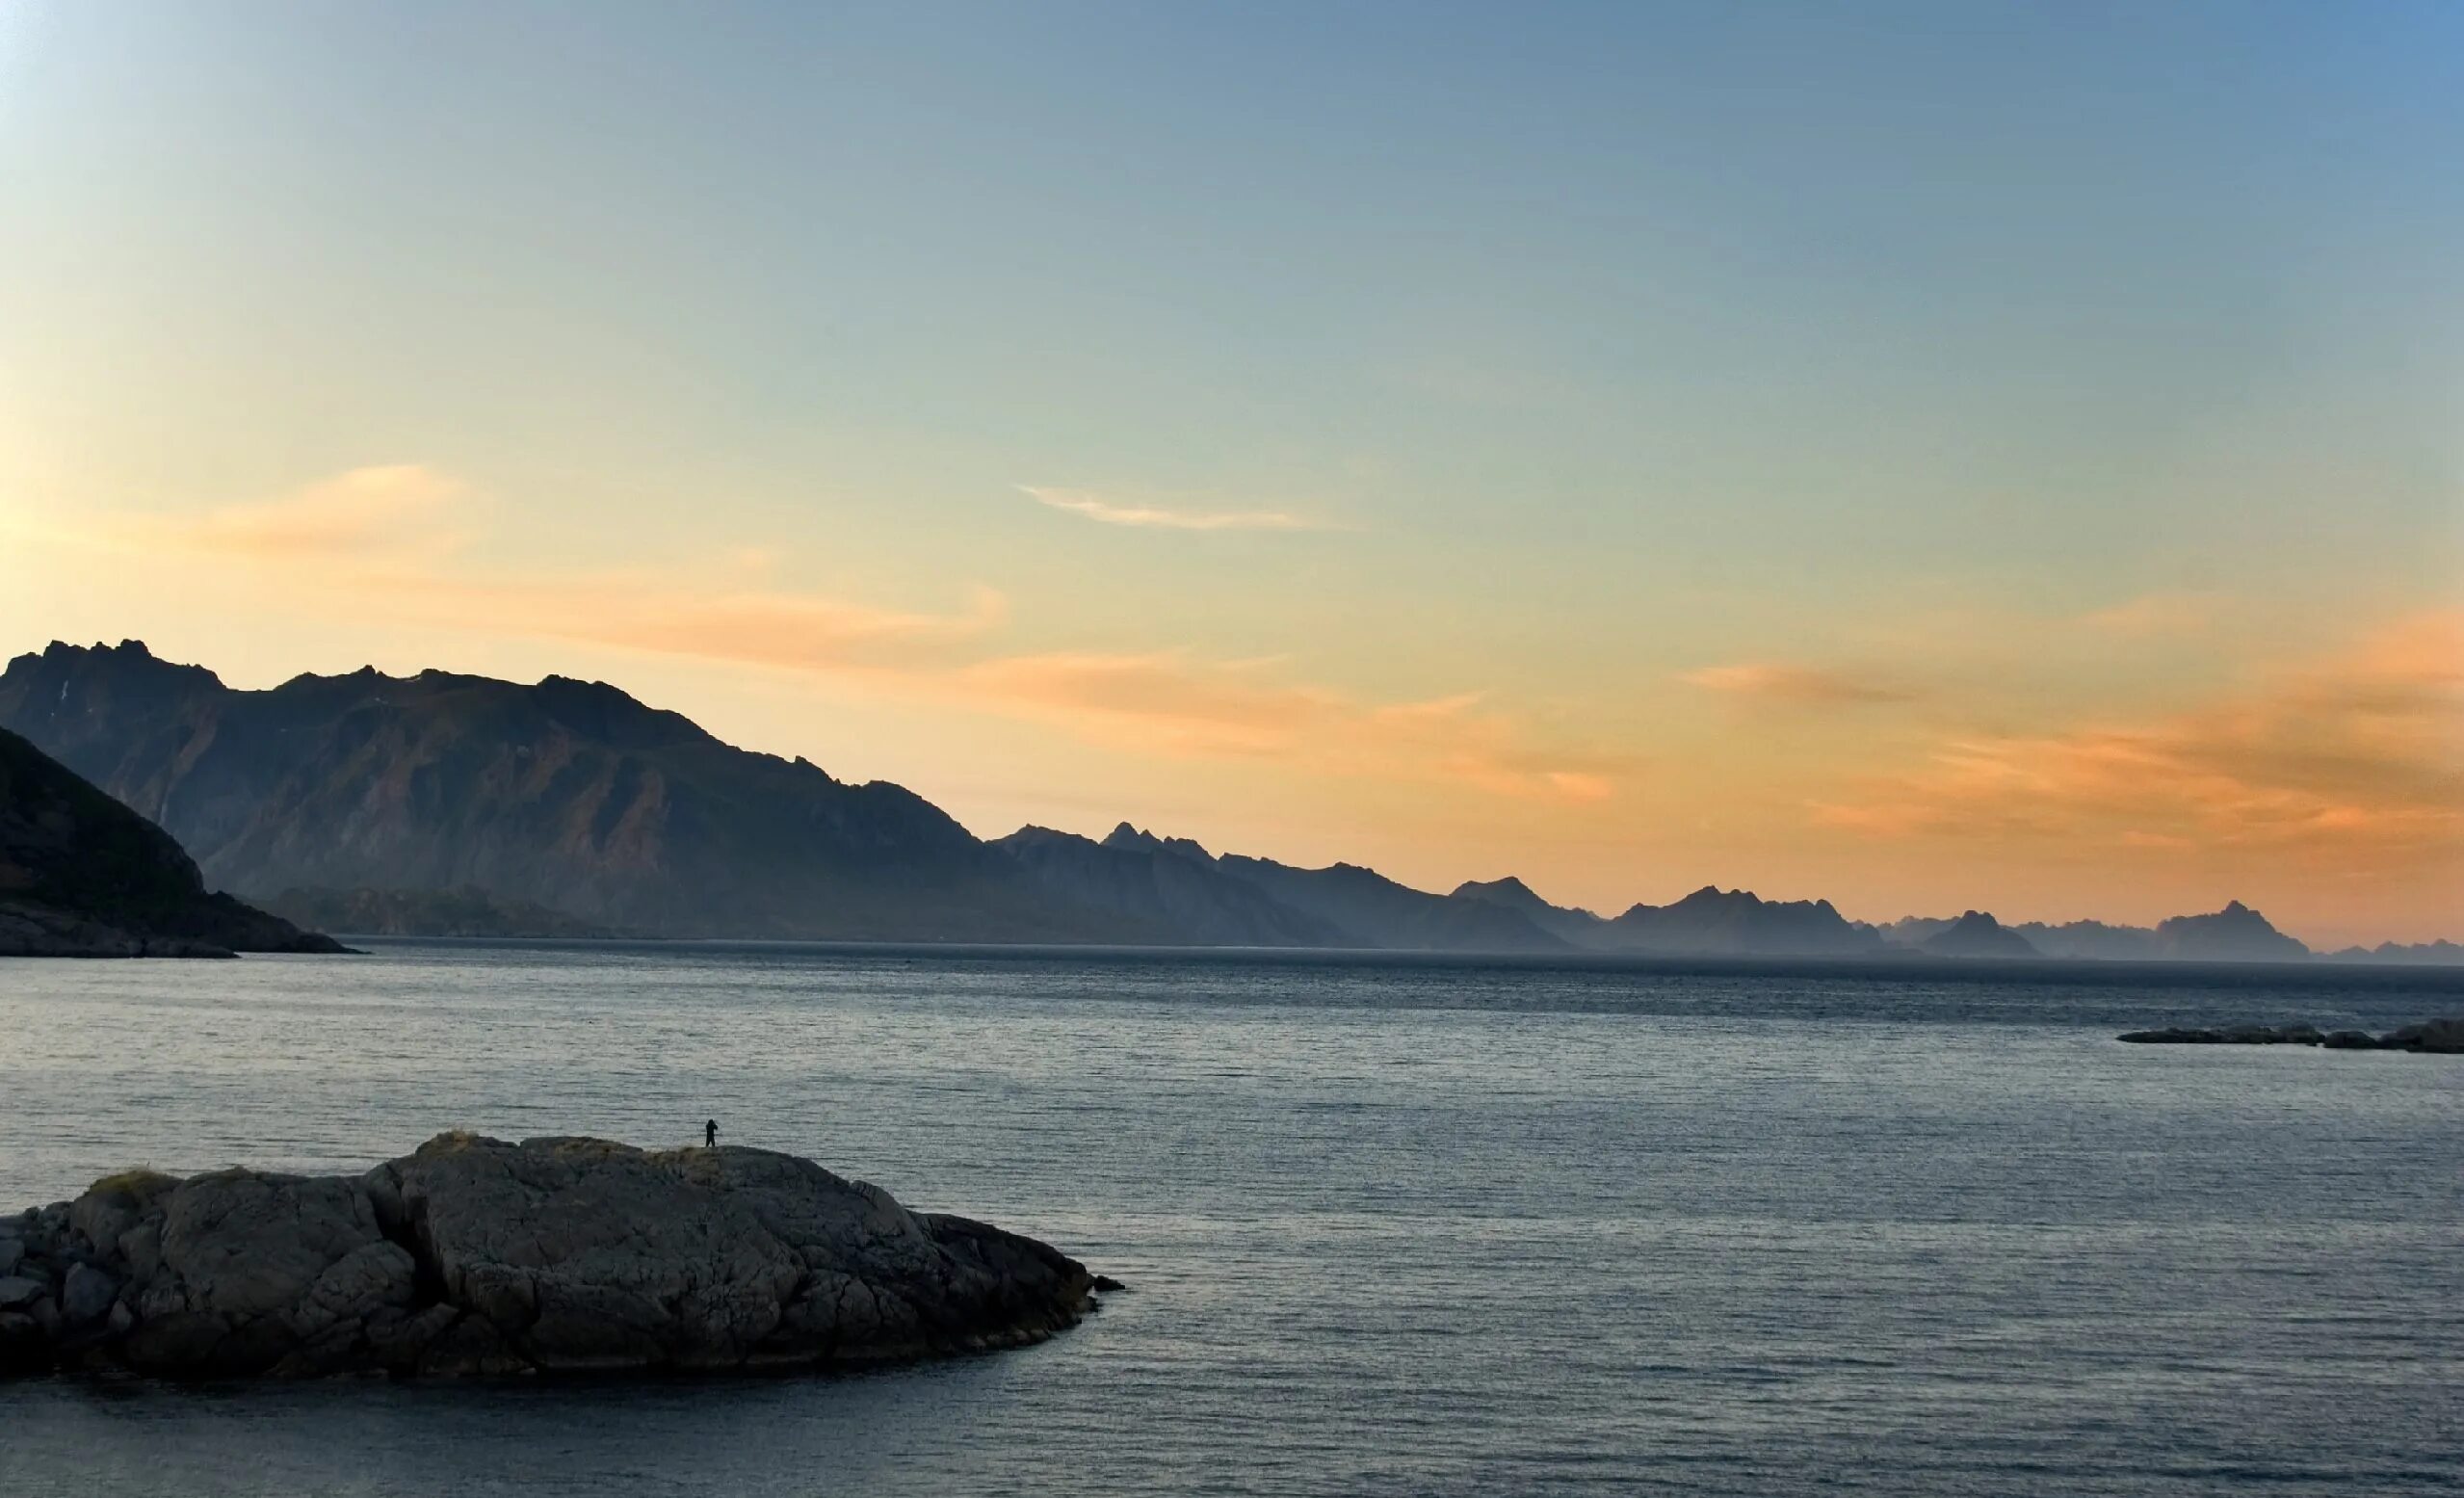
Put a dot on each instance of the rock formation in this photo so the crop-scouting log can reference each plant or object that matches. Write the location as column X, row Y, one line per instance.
column 478, row 1256
column 2438, row 1037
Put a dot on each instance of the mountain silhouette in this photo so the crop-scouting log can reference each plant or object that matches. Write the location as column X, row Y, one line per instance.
column 568, row 795
column 2236, row 934
column 448, row 803
column 1576, row 927
column 1172, row 889
column 1977, row 934
column 1739, row 923
column 1372, row 910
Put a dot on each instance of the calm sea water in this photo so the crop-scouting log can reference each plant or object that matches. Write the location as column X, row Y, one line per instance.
column 1412, row 1227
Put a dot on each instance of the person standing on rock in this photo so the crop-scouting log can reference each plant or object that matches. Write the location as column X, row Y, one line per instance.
column 710, row 1135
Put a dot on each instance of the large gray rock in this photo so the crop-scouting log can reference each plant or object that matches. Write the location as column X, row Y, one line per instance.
column 85, row 1296
column 478, row 1256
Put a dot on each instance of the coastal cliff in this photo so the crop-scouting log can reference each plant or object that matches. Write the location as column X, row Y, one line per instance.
column 82, row 876
column 477, row 1256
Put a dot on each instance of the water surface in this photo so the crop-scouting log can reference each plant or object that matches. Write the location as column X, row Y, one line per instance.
column 1400, row 1227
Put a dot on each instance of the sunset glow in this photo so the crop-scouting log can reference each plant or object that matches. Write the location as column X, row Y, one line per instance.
column 2084, row 538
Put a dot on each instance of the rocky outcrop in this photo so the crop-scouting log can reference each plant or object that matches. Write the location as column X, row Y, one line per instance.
column 82, row 876
column 476, row 1256
column 2438, row 1037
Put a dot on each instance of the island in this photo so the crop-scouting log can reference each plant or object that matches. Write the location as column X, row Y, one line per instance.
column 478, row 1256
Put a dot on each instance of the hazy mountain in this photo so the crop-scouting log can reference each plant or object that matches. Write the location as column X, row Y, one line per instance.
column 1172, row 888
column 1575, row 926
column 2093, row 940
column 2236, row 934
column 2425, row 954
column 82, row 876
column 1372, row 910
column 1977, row 934
column 568, row 795
column 1915, row 930
column 1739, row 923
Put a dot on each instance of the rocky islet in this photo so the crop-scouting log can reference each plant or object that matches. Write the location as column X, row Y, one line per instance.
column 478, row 1256
column 2437, row 1036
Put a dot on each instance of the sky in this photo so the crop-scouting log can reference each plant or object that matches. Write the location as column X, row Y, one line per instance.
column 1923, row 455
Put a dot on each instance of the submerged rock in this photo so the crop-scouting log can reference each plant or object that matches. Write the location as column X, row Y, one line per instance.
column 553, row 1256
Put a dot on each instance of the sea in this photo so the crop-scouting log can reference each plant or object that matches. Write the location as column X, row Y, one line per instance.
column 1387, row 1225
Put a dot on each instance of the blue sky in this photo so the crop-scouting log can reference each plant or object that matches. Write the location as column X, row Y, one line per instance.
column 1593, row 349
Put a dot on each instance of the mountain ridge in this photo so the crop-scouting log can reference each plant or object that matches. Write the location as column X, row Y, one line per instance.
column 463, row 801
column 81, row 874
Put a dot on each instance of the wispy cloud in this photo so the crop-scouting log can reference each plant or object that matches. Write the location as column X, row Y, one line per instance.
column 1797, row 686
column 1094, row 507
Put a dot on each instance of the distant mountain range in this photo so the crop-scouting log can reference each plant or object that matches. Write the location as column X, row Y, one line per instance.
column 443, row 803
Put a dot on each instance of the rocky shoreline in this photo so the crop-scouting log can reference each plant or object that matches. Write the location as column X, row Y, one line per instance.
column 2437, row 1036
column 477, row 1256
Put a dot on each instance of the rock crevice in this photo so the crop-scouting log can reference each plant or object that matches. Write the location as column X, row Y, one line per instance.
column 477, row 1256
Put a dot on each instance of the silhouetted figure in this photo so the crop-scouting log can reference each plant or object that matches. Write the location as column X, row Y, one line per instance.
column 710, row 1135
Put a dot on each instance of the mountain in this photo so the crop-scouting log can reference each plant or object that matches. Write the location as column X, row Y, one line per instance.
column 1180, row 892
column 445, row 804
column 82, row 876
column 568, row 795
column 2093, row 940
column 1575, row 928
column 2425, row 953
column 1739, row 923
column 1372, row 910
column 1977, row 934
column 1172, row 888
column 2236, row 934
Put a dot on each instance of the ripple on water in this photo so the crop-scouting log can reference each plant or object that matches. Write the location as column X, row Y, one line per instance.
column 1413, row 1227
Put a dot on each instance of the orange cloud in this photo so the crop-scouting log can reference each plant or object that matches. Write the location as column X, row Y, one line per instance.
column 376, row 540
column 2352, row 762
column 1799, row 686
